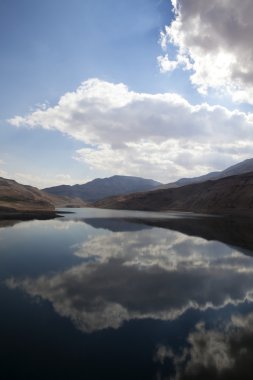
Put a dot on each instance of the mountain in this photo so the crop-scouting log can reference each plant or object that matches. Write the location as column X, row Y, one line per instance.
column 240, row 168
column 101, row 188
column 64, row 201
column 15, row 197
column 232, row 194
column 245, row 166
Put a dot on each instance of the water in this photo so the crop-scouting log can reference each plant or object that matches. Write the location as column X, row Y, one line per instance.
column 102, row 294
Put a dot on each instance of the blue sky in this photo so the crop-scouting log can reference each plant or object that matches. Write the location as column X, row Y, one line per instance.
column 50, row 47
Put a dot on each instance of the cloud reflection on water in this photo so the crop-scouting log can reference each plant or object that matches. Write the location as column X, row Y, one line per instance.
column 153, row 273
column 216, row 353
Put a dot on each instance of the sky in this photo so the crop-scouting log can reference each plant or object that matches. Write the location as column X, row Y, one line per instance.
column 160, row 89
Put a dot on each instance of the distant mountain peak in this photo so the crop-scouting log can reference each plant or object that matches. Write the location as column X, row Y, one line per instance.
column 100, row 188
column 242, row 167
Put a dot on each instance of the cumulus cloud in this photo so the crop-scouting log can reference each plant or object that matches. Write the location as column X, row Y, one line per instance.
column 214, row 41
column 159, row 135
column 40, row 181
column 46, row 181
column 3, row 173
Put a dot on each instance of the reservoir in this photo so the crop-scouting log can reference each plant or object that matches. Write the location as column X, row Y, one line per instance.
column 102, row 294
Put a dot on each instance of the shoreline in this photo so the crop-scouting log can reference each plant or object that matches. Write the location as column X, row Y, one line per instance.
column 28, row 215
column 46, row 215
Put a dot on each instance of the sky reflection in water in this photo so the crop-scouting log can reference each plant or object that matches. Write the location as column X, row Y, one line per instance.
column 105, row 274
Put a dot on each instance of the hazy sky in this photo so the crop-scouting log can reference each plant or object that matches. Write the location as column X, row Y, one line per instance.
column 155, row 88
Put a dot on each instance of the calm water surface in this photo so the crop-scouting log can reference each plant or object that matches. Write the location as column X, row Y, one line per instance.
column 102, row 294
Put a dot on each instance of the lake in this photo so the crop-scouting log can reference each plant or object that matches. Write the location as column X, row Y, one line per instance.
column 101, row 294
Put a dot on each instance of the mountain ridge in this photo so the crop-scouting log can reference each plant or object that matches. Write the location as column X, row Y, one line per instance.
column 242, row 167
column 233, row 194
column 15, row 197
column 228, row 193
column 100, row 188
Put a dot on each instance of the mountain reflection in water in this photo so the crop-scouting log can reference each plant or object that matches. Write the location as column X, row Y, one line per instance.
column 116, row 272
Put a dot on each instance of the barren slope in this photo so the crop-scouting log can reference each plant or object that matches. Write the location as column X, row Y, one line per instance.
column 17, row 197
column 230, row 194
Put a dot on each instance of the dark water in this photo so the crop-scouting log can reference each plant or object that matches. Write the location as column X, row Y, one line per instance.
column 126, row 295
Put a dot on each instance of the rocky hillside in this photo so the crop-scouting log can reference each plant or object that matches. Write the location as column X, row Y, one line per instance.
column 240, row 168
column 64, row 201
column 232, row 194
column 101, row 188
column 15, row 197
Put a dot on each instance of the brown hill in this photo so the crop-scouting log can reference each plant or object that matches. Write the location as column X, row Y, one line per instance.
column 232, row 194
column 64, row 201
column 100, row 188
column 243, row 167
column 15, row 197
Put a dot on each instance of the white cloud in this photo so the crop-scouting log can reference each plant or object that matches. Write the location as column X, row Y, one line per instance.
column 3, row 173
column 213, row 39
column 158, row 135
column 166, row 64
column 41, row 181
column 46, row 181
